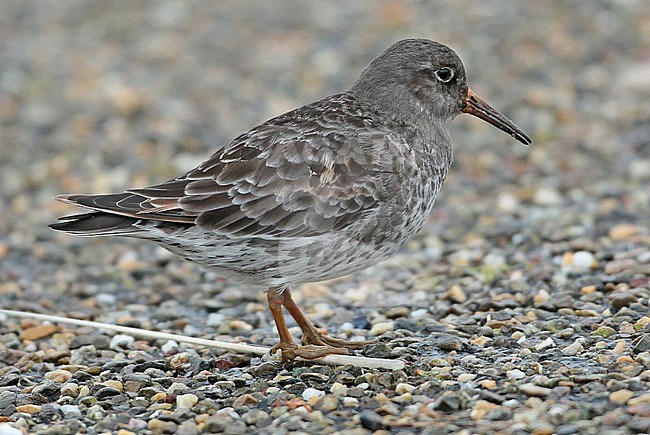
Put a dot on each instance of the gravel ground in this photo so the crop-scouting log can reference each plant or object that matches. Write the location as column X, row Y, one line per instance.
column 522, row 307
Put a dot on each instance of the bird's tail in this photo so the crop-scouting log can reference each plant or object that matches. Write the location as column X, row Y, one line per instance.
column 96, row 224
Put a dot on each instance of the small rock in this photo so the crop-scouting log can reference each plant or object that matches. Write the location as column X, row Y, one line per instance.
column 371, row 420
column 7, row 429
column 327, row 403
column 350, row 402
column 547, row 196
column 643, row 345
column 186, row 401
column 623, row 231
column 381, row 328
column 516, row 374
column 403, row 387
column 466, row 377
column 535, row 390
column 481, row 408
column 29, row 409
column 312, row 394
column 39, row 331
column 604, row 331
column 169, row 346
column 456, row 294
column 160, row 426
column 448, row 342
column 120, row 342
column 548, row 343
column 573, row 349
column 71, row 411
column 240, row 325
column 620, row 397
column 59, row 376
column 338, row 389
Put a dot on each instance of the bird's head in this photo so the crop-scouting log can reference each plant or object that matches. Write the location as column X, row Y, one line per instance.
column 419, row 75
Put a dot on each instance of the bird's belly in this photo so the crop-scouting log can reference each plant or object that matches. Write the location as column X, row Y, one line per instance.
column 270, row 262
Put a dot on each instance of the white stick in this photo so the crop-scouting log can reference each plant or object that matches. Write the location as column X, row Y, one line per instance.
column 373, row 363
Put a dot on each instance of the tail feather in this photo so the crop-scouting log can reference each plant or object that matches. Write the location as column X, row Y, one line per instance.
column 96, row 224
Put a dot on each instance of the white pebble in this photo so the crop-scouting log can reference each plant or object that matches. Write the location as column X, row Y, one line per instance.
column 573, row 349
column 215, row 319
column 104, row 299
column 310, row 393
column 545, row 344
column 507, row 202
column 381, row 327
column 350, row 402
column 583, row 260
column 547, row 196
column 418, row 313
column 6, row 429
column 121, row 342
column 169, row 346
column 186, row 401
column 70, row 411
column 516, row 374
column 338, row 389
column 347, row 326
column 403, row 387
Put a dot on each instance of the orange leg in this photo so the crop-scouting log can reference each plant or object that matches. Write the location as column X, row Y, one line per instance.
column 311, row 335
column 314, row 343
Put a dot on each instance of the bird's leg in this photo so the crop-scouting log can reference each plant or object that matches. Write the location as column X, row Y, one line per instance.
column 311, row 335
column 289, row 348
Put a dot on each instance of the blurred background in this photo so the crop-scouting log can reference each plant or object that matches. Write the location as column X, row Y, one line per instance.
column 100, row 96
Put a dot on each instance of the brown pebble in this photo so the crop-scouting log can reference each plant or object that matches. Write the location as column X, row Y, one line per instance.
column 620, row 397
column 29, row 409
column 481, row 408
column 623, row 231
column 39, row 331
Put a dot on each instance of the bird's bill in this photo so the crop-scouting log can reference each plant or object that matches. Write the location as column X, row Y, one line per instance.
column 475, row 105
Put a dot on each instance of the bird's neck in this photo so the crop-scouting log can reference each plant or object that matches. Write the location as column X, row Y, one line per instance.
column 428, row 133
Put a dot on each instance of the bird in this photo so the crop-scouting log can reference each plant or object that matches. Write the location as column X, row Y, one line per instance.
column 319, row 192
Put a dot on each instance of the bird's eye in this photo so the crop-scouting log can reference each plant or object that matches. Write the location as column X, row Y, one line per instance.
column 444, row 74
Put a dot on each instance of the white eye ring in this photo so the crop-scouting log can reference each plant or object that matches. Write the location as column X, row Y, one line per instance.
column 444, row 74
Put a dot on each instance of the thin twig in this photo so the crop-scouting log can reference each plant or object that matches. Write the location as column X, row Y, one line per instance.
column 373, row 363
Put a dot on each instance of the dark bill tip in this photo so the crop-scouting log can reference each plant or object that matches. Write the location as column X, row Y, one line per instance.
column 475, row 105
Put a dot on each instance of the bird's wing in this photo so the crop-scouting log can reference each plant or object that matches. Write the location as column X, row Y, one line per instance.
column 307, row 172
column 315, row 169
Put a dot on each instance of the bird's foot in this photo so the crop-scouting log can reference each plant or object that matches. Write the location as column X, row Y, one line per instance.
column 312, row 336
column 309, row 351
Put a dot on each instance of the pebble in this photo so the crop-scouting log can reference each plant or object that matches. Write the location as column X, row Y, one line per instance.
column 338, row 389
column 120, row 342
column 403, row 387
column 620, row 397
column 546, row 344
column 29, row 409
column 169, row 346
column 381, row 328
column 535, row 390
column 466, row 377
column 7, row 429
column 350, row 402
column 71, row 411
column 312, row 394
column 60, row 376
column 516, row 374
column 39, row 331
column 574, row 348
column 186, row 401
